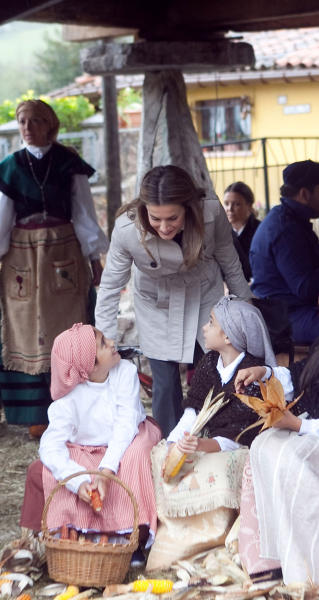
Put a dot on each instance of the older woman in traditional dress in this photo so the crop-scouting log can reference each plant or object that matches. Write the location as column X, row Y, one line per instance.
column 50, row 247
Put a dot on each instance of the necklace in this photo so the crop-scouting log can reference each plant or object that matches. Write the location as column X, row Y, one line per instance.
column 42, row 183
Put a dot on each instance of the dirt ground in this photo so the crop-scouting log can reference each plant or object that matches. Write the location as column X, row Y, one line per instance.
column 17, row 451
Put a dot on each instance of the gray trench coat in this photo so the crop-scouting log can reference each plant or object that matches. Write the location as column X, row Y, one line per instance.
column 171, row 303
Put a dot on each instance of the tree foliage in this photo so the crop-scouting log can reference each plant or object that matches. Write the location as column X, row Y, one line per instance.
column 57, row 64
column 70, row 110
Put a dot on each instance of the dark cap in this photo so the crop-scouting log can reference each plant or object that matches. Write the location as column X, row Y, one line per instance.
column 302, row 174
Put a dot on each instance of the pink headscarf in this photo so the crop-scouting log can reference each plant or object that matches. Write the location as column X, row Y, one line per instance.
column 72, row 359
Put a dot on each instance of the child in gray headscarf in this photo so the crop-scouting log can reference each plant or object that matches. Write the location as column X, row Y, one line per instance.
column 236, row 337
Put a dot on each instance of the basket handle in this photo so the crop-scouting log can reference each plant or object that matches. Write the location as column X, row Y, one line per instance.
column 108, row 476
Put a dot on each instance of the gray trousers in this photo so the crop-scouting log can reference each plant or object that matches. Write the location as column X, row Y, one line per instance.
column 167, row 394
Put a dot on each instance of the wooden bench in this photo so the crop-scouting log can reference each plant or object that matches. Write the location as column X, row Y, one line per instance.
column 300, row 352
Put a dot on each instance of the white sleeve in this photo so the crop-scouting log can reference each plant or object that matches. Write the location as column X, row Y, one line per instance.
column 185, row 423
column 7, row 220
column 129, row 415
column 53, row 450
column 309, row 426
column 91, row 237
column 284, row 377
column 226, row 445
column 116, row 274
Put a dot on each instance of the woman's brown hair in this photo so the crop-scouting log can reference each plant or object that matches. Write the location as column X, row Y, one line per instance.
column 171, row 185
column 243, row 189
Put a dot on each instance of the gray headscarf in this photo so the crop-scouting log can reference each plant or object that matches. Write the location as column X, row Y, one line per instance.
column 245, row 327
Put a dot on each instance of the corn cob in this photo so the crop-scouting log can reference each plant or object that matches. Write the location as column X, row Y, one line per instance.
column 71, row 590
column 64, row 532
column 175, row 458
column 156, row 586
column 173, row 463
column 24, row 597
column 96, row 502
column 73, row 534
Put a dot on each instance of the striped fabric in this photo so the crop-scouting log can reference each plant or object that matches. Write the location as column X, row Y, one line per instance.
column 117, row 513
column 25, row 398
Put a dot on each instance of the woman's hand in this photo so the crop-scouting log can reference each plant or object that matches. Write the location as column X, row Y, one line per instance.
column 97, row 271
column 246, row 376
column 289, row 421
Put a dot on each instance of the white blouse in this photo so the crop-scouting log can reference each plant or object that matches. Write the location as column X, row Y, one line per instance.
column 93, row 414
column 188, row 418
column 91, row 237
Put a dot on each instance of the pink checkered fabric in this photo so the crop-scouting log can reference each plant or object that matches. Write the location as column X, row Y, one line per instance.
column 72, row 359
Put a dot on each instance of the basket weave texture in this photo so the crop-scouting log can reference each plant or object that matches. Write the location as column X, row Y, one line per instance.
column 86, row 563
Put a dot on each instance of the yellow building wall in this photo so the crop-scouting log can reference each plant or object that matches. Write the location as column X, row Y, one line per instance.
column 267, row 121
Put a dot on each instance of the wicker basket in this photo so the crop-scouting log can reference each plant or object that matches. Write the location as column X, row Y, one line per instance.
column 86, row 563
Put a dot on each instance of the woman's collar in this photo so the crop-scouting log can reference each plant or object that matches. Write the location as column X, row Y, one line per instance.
column 38, row 151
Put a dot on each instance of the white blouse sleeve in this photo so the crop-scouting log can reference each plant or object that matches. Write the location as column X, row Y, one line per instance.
column 90, row 235
column 129, row 414
column 185, row 423
column 53, row 450
column 309, row 426
column 7, row 220
column 284, row 376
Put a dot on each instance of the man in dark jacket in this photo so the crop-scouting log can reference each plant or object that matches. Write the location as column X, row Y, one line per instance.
column 284, row 253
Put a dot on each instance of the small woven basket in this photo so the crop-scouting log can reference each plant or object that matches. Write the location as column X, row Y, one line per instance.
column 86, row 563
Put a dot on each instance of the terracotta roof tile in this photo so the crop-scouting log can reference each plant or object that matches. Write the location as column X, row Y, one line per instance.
column 285, row 47
column 278, row 49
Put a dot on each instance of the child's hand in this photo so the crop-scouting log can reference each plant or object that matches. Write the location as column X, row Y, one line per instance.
column 84, row 491
column 188, row 444
column 289, row 421
column 246, row 376
column 102, row 484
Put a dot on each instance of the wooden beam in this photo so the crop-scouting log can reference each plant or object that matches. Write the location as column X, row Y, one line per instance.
column 21, row 9
column 83, row 33
column 111, row 149
column 154, row 56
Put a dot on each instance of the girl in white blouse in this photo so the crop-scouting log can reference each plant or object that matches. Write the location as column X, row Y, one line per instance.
column 96, row 422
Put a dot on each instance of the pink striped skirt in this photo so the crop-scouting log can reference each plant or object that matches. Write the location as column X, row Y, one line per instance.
column 117, row 513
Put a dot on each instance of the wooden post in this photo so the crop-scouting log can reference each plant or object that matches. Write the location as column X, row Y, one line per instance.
column 168, row 136
column 112, row 152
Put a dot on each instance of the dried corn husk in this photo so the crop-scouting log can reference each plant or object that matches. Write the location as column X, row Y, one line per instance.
column 272, row 405
column 175, row 458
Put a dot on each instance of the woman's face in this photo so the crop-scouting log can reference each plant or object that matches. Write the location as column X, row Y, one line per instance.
column 167, row 219
column 214, row 336
column 237, row 209
column 33, row 128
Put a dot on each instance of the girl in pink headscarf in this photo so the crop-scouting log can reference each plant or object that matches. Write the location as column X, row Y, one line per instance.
column 96, row 422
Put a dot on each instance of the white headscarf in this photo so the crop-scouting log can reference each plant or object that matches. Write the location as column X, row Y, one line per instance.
column 245, row 327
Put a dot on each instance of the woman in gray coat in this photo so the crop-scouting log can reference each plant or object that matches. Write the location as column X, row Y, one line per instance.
column 181, row 245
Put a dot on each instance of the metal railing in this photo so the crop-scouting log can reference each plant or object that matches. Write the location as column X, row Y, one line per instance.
column 260, row 165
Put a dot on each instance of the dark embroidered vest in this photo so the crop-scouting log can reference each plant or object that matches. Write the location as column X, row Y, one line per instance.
column 230, row 420
column 17, row 182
